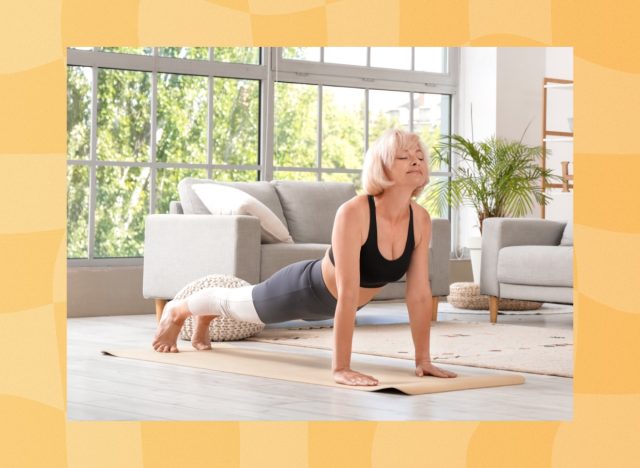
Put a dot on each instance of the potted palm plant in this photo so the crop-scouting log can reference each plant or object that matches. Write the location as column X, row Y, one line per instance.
column 497, row 177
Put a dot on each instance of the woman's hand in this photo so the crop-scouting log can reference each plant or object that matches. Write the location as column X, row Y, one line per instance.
column 351, row 377
column 426, row 368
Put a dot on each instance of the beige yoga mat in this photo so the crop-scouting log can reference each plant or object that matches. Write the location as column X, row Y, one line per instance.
column 517, row 348
column 297, row 367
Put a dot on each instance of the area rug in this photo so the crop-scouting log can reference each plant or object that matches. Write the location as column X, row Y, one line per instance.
column 546, row 309
column 287, row 365
column 535, row 350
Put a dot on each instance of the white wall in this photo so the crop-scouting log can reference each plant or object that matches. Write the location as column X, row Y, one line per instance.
column 477, row 91
column 504, row 85
column 559, row 64
column 520, row 75
column 519, row 97
column 477, row 88
column 95, row 291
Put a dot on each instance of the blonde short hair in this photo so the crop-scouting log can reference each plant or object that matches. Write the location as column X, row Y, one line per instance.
column 381, row 154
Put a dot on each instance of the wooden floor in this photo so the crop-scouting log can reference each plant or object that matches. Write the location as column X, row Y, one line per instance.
column 107, row 388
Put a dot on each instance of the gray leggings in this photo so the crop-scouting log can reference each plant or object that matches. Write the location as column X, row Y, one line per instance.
column 297, row 291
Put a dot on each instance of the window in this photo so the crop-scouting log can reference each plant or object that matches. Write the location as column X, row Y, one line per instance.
column 346, row 55
column 181, row 118
column 127, row 50
column 423, row 60
column 136, row 126
column 391, row 57
column 343, row 127
column 295, row 125
column 302, row 53
column 141, row 119
column 236, row 122
column 193, row 53
column 431, row 59
column 388, row 109
column 237, row 54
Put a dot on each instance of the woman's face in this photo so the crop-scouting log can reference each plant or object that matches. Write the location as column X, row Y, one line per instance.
column 409, row 166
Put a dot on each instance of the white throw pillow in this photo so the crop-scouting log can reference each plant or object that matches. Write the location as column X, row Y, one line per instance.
column 224, row 200
column 567, row 234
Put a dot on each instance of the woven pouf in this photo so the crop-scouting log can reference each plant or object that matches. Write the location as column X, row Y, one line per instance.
column 222, row 328
column 467, row 296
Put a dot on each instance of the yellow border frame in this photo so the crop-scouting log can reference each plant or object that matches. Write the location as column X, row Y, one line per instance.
column 35, row 34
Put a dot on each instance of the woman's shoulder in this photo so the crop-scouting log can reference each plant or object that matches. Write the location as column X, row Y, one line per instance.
column 354, row 210
column 355, row 204
column 422, row 221
column 419, row 211
column 352, row 216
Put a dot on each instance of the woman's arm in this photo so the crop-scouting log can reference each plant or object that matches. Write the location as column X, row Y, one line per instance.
column 346, row 240
column 418, row 298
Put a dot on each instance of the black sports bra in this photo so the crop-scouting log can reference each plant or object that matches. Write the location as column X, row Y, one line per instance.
column 375, row 270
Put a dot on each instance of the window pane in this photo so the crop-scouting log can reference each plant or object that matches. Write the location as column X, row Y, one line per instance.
column 128, row 50
column 121, row 207
column 296, row 123
column 167, row 180
column 181, row 124
column 77, row 211
column 391, row 57
column 435, row 205
column 355, row 179
column 237, row 54
column 78, row 112
column 431, row 59
column 342, row 127
column 387, row 109
column 295, row 175
column 236, row 121
column 302, row 53
column 346, row 55
column 194, row 53
column 124, row 109
column 234, row 176
column 431, row 116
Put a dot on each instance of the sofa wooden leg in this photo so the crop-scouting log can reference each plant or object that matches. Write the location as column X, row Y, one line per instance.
column 493, row 308
column 160, row 303
column 434, row 309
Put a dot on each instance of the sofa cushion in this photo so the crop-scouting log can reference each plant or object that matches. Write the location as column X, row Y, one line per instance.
column 273, row 257
column 567, row 234
column 263, row 191
column 310, row 207
column 536, row 265
column 225, row 200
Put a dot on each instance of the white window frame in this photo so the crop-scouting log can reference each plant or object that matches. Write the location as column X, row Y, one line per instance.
column 364, row 76
column 272, row 68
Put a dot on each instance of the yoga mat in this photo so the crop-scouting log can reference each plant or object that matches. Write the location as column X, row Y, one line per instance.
column 283, row 365
column 516, row 348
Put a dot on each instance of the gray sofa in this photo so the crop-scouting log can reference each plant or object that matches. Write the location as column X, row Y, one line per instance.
column 189, row 242
column 528, row 259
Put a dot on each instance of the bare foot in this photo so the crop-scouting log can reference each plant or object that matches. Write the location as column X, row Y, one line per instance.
column 201, row 339
column 173, row 316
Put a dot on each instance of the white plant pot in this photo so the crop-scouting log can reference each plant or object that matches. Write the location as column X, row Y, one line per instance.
column 475, row 252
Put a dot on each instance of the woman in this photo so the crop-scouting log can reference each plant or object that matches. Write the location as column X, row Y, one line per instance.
column 376, row 239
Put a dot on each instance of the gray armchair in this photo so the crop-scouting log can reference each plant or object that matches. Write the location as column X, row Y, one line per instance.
column 527, row 259
column 189, row 242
